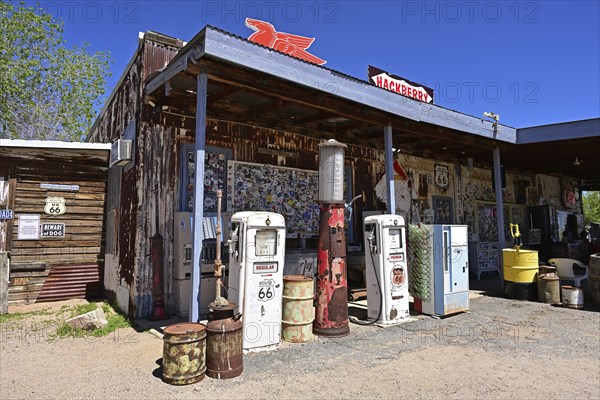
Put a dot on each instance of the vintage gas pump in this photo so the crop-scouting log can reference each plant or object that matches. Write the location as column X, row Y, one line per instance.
column 257, row 254
column 387, row 274
column 331, row 308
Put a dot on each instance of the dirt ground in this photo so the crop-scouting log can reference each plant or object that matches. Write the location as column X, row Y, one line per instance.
column 502, row 349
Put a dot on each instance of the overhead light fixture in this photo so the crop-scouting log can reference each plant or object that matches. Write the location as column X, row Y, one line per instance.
column 492, row 115
column 496, row 118
column 576, row 162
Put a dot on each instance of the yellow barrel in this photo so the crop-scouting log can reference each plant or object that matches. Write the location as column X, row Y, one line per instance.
column 298, row 311
column 520, row 271
column 520, row 265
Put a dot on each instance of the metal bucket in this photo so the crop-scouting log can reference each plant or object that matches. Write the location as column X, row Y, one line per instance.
column 184, row 353
column 594, row 277
column 298, row 310
column 224, row 352
column 572, row 296
column 548, row 285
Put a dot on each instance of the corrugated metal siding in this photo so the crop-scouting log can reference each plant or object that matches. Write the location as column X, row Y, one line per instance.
column 72, row 282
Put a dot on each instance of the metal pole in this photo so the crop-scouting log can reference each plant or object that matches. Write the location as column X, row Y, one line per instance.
column 499, row 210
column 202, row 83
column 389, row 169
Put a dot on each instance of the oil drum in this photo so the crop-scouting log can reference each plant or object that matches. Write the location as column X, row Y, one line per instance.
column 184, row 353
column 594, row 277
column 548, row 285
column 520, row 270
column 224, row 352
column 298, row 311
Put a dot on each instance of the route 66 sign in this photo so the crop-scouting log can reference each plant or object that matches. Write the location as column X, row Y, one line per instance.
column 398, row 276
column 55, row 206
column 267, row 289
column 442, row 177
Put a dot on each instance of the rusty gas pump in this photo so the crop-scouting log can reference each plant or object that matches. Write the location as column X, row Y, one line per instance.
column 331, row 308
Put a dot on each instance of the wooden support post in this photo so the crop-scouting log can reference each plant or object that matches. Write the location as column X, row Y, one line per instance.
column 499, row 211
column 4, row 273
column 202, row 84
column 389, row 170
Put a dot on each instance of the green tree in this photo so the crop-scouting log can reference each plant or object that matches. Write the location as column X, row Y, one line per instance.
column 591, row 207
column 48, row 90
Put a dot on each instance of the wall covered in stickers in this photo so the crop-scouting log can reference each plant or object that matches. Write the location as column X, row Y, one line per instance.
column 290, row 192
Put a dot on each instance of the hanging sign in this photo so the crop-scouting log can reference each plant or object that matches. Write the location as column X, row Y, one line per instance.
column 397, row 84
column 53, row 230
column 55, row 206
column 293, row 45
column 29, row 227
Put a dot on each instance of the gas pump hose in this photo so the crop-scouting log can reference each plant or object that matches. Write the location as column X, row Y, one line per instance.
column 357, row 321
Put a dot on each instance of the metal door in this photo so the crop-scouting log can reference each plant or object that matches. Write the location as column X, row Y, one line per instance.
column 459, row 259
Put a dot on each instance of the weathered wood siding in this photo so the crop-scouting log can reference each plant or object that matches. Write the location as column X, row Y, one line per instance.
column 128, row 277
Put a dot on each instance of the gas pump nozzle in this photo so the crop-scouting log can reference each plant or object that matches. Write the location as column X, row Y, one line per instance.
column 348, row 206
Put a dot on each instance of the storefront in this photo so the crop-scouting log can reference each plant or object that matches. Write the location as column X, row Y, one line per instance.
column 257, row 116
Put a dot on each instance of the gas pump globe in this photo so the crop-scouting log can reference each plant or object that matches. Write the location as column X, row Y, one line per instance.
column 331, row 171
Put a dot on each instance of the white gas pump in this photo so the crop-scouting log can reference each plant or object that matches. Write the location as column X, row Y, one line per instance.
column 257, row 254
column 182, row 269
column 387, row 275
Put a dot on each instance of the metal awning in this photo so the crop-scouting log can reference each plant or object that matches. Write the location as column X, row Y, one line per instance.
column 251, row 84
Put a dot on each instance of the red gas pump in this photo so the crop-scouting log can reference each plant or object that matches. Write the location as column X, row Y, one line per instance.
column 331, row 308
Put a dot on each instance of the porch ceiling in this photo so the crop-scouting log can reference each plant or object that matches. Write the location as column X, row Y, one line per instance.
column 249, row 97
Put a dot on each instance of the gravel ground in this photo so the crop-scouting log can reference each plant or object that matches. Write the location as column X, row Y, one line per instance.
column 501, row 349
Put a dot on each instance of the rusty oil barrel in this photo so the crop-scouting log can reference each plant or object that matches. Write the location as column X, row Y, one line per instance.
column 548, row 285
column 224, row 352
column 298, row 310
column 184, row 353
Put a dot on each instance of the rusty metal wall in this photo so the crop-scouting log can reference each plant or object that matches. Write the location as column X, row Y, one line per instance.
column 129, row 258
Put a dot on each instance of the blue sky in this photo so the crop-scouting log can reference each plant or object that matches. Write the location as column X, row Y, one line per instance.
column 532, row 62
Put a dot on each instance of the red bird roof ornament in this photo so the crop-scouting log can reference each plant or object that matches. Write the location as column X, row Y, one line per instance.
column 293, row 45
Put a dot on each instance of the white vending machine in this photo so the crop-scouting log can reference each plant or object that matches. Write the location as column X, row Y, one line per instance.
column 448, row 270
column 182, row 269
column 387, row 274
column 257, row 254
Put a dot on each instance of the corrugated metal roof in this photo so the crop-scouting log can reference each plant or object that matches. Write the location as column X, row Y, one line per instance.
column 54, row 144
column 201, row 35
